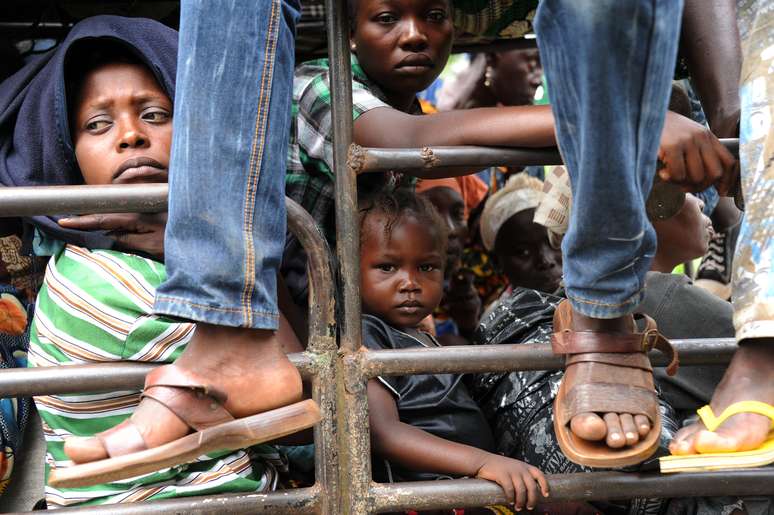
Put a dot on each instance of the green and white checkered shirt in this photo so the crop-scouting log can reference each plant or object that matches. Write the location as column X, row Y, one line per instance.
column 309, row 179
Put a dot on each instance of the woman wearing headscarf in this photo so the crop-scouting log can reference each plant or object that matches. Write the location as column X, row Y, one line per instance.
column 96, row 304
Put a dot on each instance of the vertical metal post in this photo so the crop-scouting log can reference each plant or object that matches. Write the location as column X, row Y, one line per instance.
column 352, row 409
column 322, row 347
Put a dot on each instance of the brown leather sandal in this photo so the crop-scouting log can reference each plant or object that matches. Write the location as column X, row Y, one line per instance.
column 603, row 383
column 201, row 407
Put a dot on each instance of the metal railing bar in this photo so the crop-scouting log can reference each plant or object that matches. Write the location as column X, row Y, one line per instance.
column 321, row 350
column 422, row 161
column 588, row 486
column 443, row 360
column 295, row 501
column 524, row 356
column 73, row 200
column 97, row 377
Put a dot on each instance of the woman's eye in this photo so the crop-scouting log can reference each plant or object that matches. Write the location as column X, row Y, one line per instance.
column 386, row 18
column 436, row 15
column 97, row 125
column 156, row 116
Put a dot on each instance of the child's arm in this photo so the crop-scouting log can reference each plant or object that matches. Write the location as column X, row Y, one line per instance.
column 419, row 450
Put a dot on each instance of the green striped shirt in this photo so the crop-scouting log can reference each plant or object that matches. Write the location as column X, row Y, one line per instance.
column 97, row 306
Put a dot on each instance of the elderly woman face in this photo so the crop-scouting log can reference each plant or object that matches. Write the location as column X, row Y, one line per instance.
column 525, row 255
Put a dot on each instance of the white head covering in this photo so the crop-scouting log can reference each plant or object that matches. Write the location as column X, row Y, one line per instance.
column 520, row 193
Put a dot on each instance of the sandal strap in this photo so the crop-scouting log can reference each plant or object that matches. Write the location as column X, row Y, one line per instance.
column 122, row 439
column 757, row 407
column 609, row 398
column 176, row 377
column 195, row 402
column 568, row 342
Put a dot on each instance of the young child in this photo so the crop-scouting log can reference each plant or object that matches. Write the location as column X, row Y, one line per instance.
column 96, row 305
column 426, row 425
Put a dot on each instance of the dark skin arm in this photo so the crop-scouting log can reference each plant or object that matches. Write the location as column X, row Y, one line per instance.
column 710, row 43
column 416, row 449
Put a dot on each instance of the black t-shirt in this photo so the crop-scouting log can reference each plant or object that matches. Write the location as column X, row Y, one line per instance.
column 437, row 403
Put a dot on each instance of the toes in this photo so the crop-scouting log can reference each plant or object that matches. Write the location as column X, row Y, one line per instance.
column 684, row 441
column 588, row 426
column 83, row 450
column 643, row 425
column 615, row 438
column 629, row 429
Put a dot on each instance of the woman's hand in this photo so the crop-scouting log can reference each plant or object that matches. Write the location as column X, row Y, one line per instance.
column 519, row 480
column 142, row 232
column 693, row 157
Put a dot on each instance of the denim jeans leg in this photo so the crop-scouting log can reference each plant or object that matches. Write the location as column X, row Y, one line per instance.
column 609, row 65
column 226, row 228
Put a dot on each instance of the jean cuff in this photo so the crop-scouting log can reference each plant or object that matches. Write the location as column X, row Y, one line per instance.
column 597, row 309
column 216, row 315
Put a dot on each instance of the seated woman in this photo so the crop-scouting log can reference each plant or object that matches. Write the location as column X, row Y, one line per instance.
column 113, row 115
column 518, row 405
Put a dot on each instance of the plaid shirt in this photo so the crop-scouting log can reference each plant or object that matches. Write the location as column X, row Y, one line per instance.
column 309, row 179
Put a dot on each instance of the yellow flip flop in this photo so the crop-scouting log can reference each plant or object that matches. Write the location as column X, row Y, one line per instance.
column 763, row 455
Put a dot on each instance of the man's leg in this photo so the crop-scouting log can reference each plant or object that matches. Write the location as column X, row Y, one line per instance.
column 609, row 66
column 750, row 376
column 226, row 228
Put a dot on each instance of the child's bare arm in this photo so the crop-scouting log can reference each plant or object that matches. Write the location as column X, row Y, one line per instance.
column 519, row 126
column 419, row 450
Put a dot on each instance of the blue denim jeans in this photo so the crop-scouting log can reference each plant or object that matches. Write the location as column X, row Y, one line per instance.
column 226, row 229
column 609, row 65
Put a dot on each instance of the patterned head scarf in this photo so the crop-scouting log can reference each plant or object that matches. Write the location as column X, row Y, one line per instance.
column 520, row 193
column 554, row 210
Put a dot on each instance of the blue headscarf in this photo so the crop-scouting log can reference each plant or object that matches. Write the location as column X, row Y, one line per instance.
column 36, row 148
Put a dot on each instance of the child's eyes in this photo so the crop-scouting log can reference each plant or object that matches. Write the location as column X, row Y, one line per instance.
column 428, row 267
column 156, row 116
column 385, row 267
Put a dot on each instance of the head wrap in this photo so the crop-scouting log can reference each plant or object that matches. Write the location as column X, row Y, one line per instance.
column 472, row 189
column 36, row 148
column 520, row 193
column 554, row 210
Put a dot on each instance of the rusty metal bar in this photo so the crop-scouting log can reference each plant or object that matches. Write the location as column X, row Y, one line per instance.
column 73, row 200
column 588, row 486
column 323, row 351
column 352, row 407
column 525, row 356
column 290, row 502
column 423, row 161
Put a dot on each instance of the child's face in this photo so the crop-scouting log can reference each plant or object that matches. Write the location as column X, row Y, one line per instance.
column 402, row 45
column 122, row 126
column 401, row 275
column 525, row 255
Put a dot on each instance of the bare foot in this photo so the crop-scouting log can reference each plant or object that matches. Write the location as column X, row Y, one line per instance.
column 750, row 377
column 247, row 364
column 616, row 429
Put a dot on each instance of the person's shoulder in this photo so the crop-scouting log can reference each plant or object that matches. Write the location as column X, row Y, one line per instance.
column 378, row 334
column 94, row 266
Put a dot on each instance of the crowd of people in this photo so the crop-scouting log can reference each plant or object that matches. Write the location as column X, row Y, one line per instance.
column 563, row 255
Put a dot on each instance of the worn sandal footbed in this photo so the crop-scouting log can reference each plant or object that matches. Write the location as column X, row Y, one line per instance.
column 604, row 384
column 200, row 406
column 762, row 456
